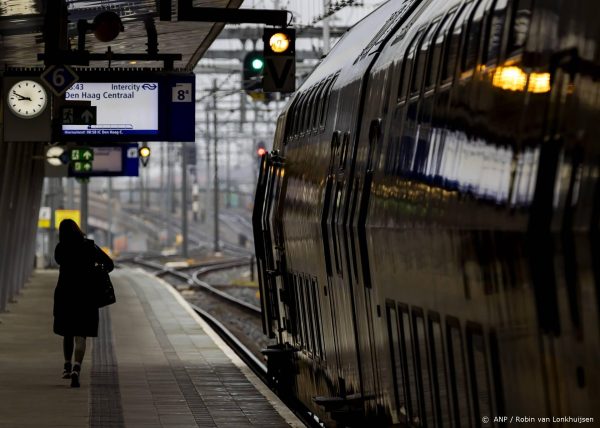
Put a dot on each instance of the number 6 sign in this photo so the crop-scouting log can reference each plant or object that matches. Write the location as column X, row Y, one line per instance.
column 59, row 78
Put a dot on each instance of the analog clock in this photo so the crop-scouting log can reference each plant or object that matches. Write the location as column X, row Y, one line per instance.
column 27, row 99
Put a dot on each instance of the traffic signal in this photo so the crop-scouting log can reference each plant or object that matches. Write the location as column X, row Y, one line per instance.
column 144, row 153
column 280, row 60
column 261, row 150
column 254, row 63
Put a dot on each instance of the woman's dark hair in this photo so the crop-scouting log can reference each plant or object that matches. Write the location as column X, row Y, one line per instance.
column 69, row 232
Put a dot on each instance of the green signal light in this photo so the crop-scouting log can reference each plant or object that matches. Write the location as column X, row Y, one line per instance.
column 257, row 64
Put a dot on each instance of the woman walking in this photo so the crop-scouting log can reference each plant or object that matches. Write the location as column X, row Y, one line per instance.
column 75, row 306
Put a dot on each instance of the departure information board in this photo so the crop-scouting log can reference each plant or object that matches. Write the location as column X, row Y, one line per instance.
column 124, row 108
column 112, row 106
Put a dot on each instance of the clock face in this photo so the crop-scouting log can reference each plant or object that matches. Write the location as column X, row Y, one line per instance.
column 27, row 99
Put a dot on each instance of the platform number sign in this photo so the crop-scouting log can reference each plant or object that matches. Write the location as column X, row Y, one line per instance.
column 59, row 78
column 182, row 93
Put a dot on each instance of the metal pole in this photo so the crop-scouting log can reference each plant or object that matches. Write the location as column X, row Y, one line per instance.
column 326, row 39
column 71, row 193
column 169, row 200
column 173, row 182
column 184, row 205
column 84, row 205
column 164, row 192
column 216, row 177
column 254, row 140
column 52, row 232
column 195, row 202
column 162, row 166
column 131, row 190
column 242, row 107
column 110, row 214
column 204, row 214
column 147, row 186
column 142, row 191
column 228, row 181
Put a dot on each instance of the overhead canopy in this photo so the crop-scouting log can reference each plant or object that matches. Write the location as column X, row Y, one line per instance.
column 22, row 39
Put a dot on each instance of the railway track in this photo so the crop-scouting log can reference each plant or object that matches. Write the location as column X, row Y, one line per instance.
column 241, row 317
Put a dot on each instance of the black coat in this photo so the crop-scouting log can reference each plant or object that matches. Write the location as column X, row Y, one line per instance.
column 75, row 308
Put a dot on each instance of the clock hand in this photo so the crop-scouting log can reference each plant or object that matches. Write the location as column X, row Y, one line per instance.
column 21, row 97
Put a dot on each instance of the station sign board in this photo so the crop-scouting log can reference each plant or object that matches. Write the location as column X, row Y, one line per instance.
column 123, row 106
column 44, row 217
column 105, row 161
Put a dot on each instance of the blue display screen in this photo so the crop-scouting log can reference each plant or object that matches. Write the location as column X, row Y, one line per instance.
column 129, row 106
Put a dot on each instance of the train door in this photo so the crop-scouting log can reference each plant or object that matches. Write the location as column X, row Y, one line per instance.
column 364, row 304
column 267, row 236
column 348, row 360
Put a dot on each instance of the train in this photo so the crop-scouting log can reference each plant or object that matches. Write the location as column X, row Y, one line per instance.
column 427, row 222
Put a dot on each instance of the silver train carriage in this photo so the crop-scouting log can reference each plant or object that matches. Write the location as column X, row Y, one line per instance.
column 427, row 223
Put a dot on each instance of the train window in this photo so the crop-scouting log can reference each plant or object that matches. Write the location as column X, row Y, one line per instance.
column 436, row 51
column 303, row 312
column 311, row 105
column 314, row 124
column 297, row 310
column 422, row 366
column 316, row 308
column 290, row 322
column 395, row 359
column 354, row 203
column 289, row 130
column 310, row 330
column 344, row 150
column 407, row 65
column 321, row 102
column 410, row 376
column 438, row 365
column 458, row 374
column 519, row 28
column 308, row 307
column 494, row 37
column 478, row 370
column 337, row 202
column 473, row 36
column 452, row 48
column 497, row 373
column 294, row 116
column 326, row 99
column 421, row 59
column 297, row 113
column 305, row 108
column 310, row 314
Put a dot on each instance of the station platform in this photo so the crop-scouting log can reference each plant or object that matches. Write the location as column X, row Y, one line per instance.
column 154, row 364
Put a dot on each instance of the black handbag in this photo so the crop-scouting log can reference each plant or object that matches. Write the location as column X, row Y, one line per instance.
column 103, row 288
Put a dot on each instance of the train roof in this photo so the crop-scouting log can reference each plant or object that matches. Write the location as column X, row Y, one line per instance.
column 353, row 43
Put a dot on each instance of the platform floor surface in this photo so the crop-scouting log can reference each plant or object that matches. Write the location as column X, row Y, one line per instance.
column 154, row 364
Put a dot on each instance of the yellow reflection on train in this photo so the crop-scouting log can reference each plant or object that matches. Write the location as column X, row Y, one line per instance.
column 513, row 78
column 510, row 78
column 539, row 83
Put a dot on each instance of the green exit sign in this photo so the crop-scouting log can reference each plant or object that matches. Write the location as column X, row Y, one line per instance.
column 85, row 154
column 82, row 166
